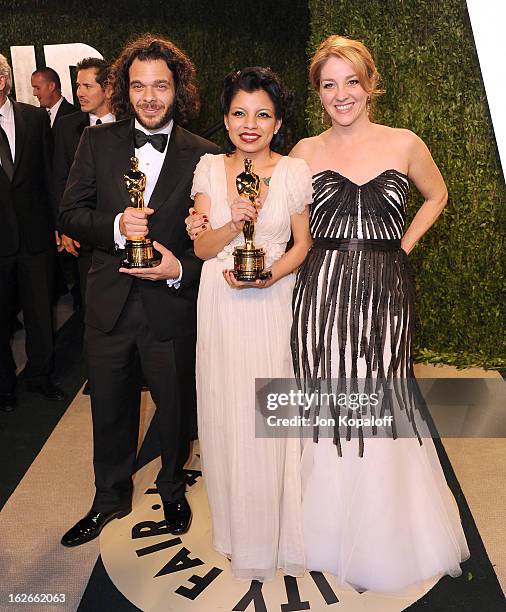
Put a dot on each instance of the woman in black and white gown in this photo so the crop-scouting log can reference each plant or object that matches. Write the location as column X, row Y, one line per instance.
column 377, row 513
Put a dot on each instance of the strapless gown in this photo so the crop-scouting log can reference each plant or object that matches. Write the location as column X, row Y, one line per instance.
column 377, row 512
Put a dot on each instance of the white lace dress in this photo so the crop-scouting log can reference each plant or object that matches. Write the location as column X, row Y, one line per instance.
column 253, row 484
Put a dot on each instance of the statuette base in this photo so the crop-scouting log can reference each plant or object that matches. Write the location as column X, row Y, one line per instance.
column 249, row 264
column 139, row 253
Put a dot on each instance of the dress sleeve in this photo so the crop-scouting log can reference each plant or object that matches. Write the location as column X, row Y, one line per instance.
column 299, row 185
column 202, row 176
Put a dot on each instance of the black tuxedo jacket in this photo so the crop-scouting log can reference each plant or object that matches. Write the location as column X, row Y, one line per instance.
column 26, row 202
column 66, row 108
column 96, row 193
column 67, row 133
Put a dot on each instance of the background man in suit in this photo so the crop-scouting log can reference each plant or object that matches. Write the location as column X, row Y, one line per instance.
column 27, row 246
column 153, row 83
column 94, row 95
column 47, row 89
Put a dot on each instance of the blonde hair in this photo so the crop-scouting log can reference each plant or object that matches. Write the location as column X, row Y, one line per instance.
column 352, row 51
column 5, row 71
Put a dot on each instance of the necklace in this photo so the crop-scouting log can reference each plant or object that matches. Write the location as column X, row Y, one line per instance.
column 266, row 180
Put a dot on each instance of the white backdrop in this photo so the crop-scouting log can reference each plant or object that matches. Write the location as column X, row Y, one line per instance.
column 58, row 57
column 488, row 20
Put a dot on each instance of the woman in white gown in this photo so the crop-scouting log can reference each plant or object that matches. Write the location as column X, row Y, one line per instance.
column 377, row 513
column 253, row 484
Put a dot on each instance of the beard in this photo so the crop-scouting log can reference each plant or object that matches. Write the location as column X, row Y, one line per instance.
column 159, row 123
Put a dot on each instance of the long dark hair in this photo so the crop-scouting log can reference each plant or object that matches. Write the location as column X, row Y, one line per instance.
column 253, row 79
column 150, row 47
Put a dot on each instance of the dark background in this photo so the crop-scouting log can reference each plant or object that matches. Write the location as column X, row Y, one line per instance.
column 425, row 53
column 219, row 36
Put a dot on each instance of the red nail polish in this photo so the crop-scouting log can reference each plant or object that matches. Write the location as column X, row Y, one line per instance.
column 204, row 227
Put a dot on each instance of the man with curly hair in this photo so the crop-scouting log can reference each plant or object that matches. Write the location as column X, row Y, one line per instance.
column 145, row 316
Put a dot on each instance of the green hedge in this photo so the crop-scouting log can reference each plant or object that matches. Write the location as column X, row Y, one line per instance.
column 425, row 52
column 218, row 36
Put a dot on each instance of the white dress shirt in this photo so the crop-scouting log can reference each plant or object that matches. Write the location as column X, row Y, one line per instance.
column 150, row 162
column 8, row 125
column 109, row 118
column 53, row 110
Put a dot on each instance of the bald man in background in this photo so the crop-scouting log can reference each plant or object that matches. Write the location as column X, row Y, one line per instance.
column 46, row 86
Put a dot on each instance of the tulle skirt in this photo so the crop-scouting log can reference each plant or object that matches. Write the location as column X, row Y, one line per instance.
column 381, row 522
column 386, row 520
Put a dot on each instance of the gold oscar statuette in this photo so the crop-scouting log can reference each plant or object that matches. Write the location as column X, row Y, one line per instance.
column 249, row 261
column 139, row 251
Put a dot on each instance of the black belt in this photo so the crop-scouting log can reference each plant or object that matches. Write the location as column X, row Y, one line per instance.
column 356, row 244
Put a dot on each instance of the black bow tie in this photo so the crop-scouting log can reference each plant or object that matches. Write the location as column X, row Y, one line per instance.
column 158, row 141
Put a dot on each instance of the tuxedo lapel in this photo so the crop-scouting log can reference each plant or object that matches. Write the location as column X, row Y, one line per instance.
column 78, row 130
column 120, row 150
column 20, row 131
column 85, row 122
column 5, row 184
column 172, row 172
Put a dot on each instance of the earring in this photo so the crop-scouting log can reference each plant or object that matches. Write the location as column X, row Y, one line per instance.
column 226, row 127
column 323, row 116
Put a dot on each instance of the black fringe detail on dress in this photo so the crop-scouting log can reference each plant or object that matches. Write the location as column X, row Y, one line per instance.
column 354, row 301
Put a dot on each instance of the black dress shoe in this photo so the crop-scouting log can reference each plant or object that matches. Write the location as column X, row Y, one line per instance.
column 178, row 515
column 89, row 527
column 47, row 389
column 7, row 402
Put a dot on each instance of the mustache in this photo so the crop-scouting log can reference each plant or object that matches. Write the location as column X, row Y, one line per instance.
column 150, row 106
column 163, row 120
